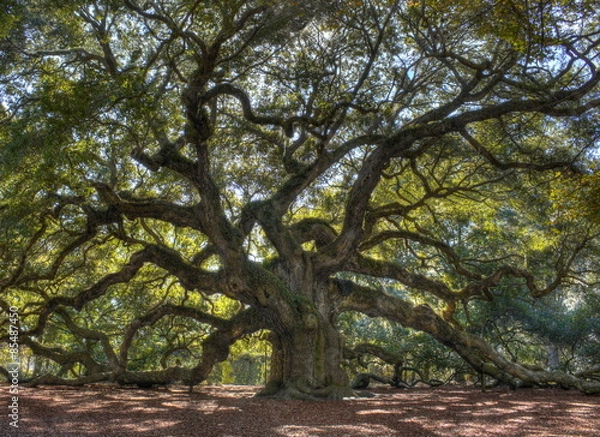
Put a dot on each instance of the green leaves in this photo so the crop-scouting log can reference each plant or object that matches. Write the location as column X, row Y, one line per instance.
column 576, row 196
column 431, row 148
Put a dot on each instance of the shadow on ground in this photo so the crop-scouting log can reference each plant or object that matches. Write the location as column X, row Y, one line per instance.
column 231, row 411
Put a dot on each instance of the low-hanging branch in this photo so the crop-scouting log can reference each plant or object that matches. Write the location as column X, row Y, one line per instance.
column 473, row 349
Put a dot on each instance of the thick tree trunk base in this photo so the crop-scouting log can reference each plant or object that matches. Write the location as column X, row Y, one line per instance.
column 295, row 392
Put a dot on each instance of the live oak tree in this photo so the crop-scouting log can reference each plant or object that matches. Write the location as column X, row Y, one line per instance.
column 180, row 174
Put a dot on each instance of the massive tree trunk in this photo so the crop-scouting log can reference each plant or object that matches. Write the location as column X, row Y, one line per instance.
column 307, row 347
column 306, row 363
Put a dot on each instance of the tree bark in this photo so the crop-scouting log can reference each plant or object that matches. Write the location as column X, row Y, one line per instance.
column 307, row 353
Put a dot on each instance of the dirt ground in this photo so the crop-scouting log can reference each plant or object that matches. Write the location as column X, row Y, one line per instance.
column 228, row 411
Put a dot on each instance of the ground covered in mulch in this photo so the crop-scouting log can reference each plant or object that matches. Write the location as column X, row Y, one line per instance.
column 227, row 411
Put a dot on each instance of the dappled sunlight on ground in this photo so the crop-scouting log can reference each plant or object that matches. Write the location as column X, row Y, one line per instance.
column 325, row 431
column 232, row 411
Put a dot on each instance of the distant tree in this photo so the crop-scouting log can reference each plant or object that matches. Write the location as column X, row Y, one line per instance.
column 178, row 175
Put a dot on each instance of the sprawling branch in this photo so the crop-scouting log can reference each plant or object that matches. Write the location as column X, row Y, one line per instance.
column 125, row 274
column 351, row 235
column 182, row 216
column 90, row 334
column 216, row 346
column 215, row 349
column 158, row 313
column 473, row 349
column 443, row 247
column 242, row 97
column 399, row 143
column 479, row 287
column 190, row 277
column 177, row 29
column 269, row 213
column 396, row 360
column 19, row 275
column 66, row 358
column 496, row 162
column 168, row 156
column 367, row 266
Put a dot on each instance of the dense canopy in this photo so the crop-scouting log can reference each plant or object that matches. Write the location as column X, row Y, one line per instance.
column 322, row 181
